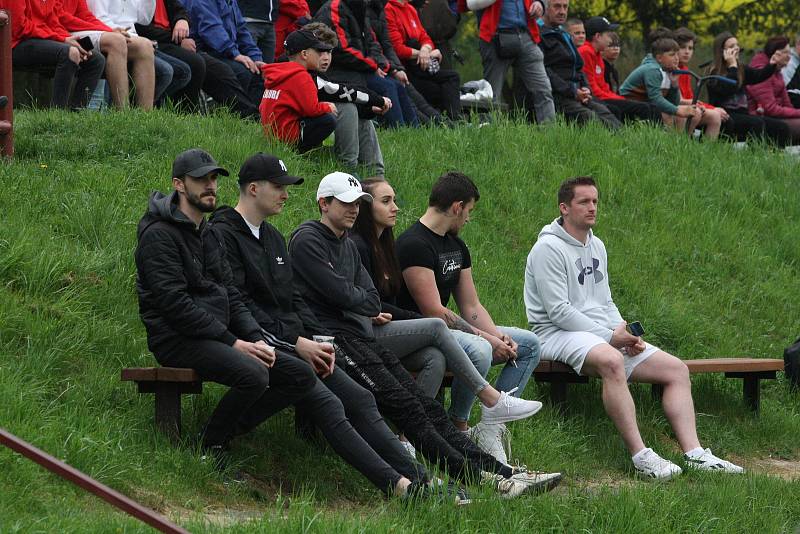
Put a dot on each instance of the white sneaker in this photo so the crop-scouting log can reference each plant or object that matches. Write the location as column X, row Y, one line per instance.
column 651, row 465
column 508, row 488
column 492, row 440
column 509, row 408
column 537, row 481
column 409, row 448
column 708, row 462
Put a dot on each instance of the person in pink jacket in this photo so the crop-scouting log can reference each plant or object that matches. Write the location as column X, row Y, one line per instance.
column 769, row 98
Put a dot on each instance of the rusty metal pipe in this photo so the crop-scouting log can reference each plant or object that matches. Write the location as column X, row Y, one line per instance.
column 6, row 87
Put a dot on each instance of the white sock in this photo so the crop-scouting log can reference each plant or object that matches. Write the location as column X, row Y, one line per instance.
column 638, row 456
column 696, row 452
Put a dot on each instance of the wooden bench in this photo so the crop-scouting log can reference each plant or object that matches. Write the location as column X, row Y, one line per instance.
column 169, row 383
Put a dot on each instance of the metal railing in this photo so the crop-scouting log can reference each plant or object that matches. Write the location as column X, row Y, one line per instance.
column 6, row 89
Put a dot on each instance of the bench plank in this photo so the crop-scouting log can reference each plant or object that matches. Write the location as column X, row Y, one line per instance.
column 728, row 365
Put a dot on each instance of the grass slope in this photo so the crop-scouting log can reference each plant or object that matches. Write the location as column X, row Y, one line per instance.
column 703, row 251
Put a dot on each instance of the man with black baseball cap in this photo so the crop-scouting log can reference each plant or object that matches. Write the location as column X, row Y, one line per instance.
column 345, row 412
column 290, row 108
column 194, row 315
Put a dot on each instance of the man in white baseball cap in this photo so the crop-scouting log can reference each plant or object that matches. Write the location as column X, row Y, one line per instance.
column 343, row 186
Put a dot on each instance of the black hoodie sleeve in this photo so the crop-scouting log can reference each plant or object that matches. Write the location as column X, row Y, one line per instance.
column 160, row 265
column 328, row 91
column 313, row 266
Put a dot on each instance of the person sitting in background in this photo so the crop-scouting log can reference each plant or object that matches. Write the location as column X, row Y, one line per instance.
column 355, row 142
column 576, row 30
column 121, row 50
column 653, row 82
column 711, row 117
column 38, row 39
column 564, row 67
column 732, row 96
column 289, row 13
column 610, row 56
column 769, row 98
column 290, row 109
column 440, row 87
column 218, row 28
column 260, row 17
column 599, row 38
column 791, row 73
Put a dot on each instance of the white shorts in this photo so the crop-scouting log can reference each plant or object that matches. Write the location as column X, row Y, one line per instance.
column 571, row 348
column 94, row 35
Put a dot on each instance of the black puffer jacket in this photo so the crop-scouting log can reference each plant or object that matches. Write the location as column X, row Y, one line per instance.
column 183, row 281
column 262, row 272
column 562, row 61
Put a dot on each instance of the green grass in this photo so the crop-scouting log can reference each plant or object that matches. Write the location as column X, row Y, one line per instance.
column 703, row 250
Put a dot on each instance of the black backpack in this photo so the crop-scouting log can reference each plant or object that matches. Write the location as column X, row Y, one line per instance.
column 791, row 359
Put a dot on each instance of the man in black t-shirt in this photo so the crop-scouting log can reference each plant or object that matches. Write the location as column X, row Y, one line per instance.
column 434, row 260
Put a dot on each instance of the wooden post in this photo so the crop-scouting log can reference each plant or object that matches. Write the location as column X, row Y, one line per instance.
column 6, row 89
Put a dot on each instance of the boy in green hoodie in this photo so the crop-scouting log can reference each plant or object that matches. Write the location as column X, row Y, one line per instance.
column 653, row 81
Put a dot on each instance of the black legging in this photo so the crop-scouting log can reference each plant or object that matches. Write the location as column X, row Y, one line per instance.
column 423, row 420
column 442, row 90
column 742, row 126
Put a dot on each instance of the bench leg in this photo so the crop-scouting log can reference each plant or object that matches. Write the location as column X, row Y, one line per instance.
column 168, row 413
column 558, row 394
column 657, row 392
column 752, row 392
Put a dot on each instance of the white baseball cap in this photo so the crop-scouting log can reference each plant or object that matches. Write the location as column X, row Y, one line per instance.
column 343, row 186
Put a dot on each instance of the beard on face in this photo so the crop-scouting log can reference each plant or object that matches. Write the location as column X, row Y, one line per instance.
column 205, row 202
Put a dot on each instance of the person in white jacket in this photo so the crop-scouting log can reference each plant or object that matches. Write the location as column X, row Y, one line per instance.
column 569, row 307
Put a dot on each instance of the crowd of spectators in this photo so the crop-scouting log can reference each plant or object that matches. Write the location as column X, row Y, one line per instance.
column 389, row 63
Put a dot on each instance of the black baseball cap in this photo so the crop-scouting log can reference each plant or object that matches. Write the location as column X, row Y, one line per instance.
column 263, row 166
column 598, row 25
column 300, row 40
column 195, row 162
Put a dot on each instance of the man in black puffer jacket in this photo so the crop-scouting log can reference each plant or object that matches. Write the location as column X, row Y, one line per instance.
column 193, row 314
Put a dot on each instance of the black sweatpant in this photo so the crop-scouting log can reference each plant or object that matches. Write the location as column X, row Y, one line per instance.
column 255, row 393
column 423, row 420
column 742, row 126
column 630, row 110
column 47, row 53
column 442, row 90
column 314, row 130
column 348, row 417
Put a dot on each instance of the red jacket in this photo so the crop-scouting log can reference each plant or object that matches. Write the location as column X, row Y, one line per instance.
column 594, row 68
column 404, row 24
column 34, row 19
column 76, row 17
column 490, row 18
column 288, row 13
column 686, row 89
column 290, row 94
column 770, row 95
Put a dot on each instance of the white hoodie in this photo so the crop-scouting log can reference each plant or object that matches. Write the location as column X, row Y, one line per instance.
column 566, row 285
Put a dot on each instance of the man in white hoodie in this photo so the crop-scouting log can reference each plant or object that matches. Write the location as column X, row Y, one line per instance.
column 569, row 307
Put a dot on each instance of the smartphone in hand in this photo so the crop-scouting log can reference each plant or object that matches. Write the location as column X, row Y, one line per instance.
column 635, row 329
column 86, row 43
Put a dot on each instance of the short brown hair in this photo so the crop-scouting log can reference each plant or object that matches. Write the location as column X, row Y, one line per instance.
column 684, row 35
column 774, row 44
column 566, row 191
column 664, row 45
column 452, row 187
column 323, row 32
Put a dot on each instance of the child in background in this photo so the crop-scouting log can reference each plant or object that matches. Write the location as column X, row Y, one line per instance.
column 574, row 27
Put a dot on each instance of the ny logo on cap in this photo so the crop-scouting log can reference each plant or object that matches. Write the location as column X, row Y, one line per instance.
column 352, row 181
column 283, row 165
column 586, row 271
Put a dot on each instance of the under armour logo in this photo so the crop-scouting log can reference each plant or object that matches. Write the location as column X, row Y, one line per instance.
column 352, row 181
column 283, row 165
column 586, row 271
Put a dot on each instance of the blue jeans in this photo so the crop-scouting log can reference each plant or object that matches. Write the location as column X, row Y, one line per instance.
column 480, row 353
column 172, row 75
column 403, row 112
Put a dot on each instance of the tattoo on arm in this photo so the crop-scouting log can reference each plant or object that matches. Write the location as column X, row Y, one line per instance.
column 457, row 323
column 474, row 316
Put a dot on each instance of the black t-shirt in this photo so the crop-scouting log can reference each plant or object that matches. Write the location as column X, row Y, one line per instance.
column 445, row 255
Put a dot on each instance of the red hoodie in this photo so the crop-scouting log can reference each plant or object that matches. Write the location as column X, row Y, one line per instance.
column 34, row 19
column 770, row 95
column 404, row 24
column 687, row 91
column 290, row 94
column 594, row 68
column 76, row 17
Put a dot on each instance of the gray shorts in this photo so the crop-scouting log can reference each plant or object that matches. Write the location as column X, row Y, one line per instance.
column 571, row 348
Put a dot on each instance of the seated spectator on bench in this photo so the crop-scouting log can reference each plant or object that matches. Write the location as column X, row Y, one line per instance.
column 260, row 17
column 569, row 306
column 436, row 264
column 194, row 315
column 359, row 61
column 218, row 28
column 711, row 117
column 564, row 66
column 769, row 98
column 38, row 39
column 170, row 29
column 329, row 275
column 355, row 142
column 422, row 60
column 290, row 109
column 732, row 96
column 791, row 73
column 576, row 30
column 653, row 81
column 289, row 13
column 610, row 56
column 123, row 55
column 374, row 238
column 345, row 412
column 599, row 41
